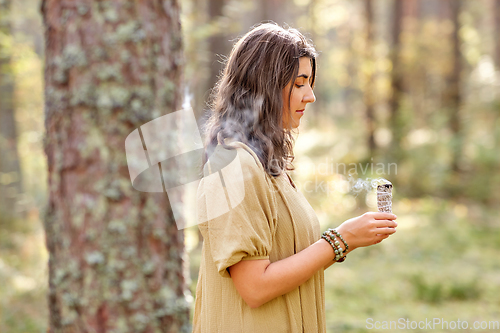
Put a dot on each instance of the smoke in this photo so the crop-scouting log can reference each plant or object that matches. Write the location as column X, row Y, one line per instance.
column 188, row 96
column 358, row 186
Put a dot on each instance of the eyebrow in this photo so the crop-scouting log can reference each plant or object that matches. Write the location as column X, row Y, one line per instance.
column 303, row 75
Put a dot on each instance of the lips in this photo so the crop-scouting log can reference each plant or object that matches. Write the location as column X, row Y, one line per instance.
column 300, row 111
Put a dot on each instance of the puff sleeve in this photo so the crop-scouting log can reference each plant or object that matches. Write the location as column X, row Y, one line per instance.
column 238, row 208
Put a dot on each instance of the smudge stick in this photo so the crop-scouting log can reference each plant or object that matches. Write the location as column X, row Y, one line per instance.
column 384, row 198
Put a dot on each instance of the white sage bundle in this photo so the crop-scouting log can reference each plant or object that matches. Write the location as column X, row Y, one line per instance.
column 384, row 197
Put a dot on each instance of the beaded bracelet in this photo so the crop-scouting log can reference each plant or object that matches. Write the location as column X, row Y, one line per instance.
column 343, row 241
column 337, row 243
column 334, row 240
column 341, row 238
column 331, row 233
column 339, row 252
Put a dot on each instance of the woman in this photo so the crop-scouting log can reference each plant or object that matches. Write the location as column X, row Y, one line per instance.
column 263, row 254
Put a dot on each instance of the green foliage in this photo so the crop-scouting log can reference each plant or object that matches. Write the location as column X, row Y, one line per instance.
column 448, row 290
column 465, row 291
column 426, row 291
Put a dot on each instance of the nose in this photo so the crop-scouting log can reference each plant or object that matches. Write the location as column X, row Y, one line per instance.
column 309, row 96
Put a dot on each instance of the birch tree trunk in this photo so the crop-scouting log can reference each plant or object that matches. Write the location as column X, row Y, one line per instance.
column 115, row 254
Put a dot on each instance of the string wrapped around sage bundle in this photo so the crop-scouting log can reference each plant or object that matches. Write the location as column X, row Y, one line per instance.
column 384, row 197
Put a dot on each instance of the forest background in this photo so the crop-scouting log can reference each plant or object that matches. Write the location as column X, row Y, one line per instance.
column 413, row 84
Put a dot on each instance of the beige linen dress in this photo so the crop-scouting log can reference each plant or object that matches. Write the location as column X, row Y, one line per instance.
column 271, row 220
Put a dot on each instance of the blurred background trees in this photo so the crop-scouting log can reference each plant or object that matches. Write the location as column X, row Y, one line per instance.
column 10, row 172
column 413, row 82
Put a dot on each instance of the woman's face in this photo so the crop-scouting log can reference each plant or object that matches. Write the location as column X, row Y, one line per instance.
column 302, row 94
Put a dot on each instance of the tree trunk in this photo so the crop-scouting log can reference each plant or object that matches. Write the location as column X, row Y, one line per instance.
column 452, row 95
column 396, row 79
column 115, row 254
column 10, row 171
column 219, row 45
column 497, row 29
column 195, row 52
column 369, row 88
column 317, row 115
column 274, row 10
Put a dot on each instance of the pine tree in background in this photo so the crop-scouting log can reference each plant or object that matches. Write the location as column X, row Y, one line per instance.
column 497, row 29
column 116, row 256
column 452, row 95
column 396, row 80
column 369, row 94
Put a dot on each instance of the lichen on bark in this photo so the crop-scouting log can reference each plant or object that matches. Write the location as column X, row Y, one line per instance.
column 115, row 254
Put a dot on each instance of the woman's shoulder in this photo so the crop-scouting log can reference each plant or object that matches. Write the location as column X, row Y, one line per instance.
column 238, row 154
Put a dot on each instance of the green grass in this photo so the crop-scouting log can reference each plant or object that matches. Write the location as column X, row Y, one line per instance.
column 439, row 265
column 23, row 276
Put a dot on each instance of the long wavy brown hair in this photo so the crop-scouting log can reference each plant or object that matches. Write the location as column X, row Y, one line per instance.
column 247, row 103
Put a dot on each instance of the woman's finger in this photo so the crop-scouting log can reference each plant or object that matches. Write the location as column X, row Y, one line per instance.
column 380, row 238
column 385, row 223
column 383, row 216
column 385, row 231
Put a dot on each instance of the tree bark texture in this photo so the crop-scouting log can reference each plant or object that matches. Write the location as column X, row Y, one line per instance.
column 10, row 171
column 115, row 254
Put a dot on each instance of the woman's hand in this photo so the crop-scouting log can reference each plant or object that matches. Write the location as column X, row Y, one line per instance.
column 367, row 229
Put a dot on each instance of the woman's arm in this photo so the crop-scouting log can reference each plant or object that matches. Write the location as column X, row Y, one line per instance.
column 259, row 281
column 328, row 265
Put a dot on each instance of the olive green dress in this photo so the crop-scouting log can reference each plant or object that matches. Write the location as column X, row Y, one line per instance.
column 253, row 216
